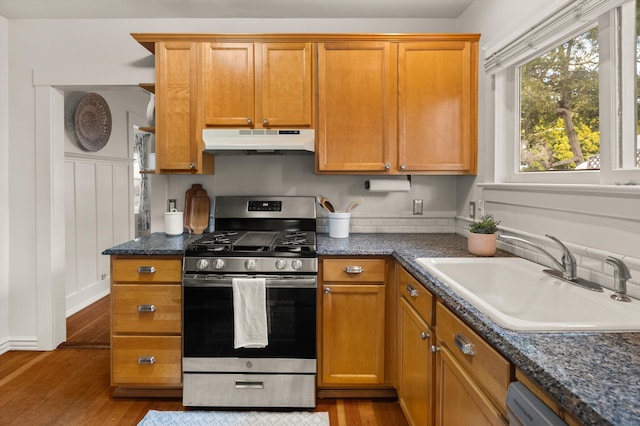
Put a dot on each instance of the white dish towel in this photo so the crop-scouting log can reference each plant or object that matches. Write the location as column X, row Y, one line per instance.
column 249, row 313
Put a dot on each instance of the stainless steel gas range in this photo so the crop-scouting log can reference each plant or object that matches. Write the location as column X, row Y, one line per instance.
column 249, row 306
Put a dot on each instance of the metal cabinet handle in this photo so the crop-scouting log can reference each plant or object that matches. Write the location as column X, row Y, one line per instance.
column 265, row 121
column 434, row 349
column 249, row 385
column 146, row 270
column 146, row 308
column 387, row 166
column 327, row 290
column 412, row 291
column 146, row 360
column 424, row 336
column 464, row 345
column 403, row 166
column 249, row 121
column 354, row 269
column 192, row 166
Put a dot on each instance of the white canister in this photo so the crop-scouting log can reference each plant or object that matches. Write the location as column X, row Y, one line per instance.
column 173, row 223
column 339, row 225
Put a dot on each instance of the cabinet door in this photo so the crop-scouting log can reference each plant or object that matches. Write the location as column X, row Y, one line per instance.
column 415, row 366
column 353, row 334
column 437, row 106
column 459, row 401
column 228, row 84
column 356, row 106
column 285, row 85
column 177, row 134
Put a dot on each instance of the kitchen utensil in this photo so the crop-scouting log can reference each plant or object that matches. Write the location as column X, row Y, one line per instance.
column 353, row 204
column 324, row 202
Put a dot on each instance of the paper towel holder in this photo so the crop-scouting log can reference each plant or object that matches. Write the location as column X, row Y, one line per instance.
column 367, row 184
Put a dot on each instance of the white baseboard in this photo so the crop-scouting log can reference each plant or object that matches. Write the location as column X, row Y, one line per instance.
column 20, row 343
column 85, row 297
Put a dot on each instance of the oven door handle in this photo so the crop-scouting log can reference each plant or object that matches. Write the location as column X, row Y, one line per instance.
column 200, row 280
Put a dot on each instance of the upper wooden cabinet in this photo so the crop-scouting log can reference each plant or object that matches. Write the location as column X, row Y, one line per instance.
column 356, row 106
column 179, row 146
column 437, row 106
column 257, row 85
column 380, row 103
column 398, row 107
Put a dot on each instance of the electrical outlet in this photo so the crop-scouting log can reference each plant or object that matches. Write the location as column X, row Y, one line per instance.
column 472, row 210
column 417, row 207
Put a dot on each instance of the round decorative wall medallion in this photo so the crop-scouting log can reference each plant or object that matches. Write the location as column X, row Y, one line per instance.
column 92, row 122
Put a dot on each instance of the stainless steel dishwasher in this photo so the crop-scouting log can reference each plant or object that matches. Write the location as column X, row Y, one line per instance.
column 526, row 409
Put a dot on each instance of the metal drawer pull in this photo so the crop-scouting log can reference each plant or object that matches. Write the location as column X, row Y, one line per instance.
column 146, row 360
column 249, row 385
column 146, row 269
column 464, row 345
column 354, row 269
column 412, row 291
column 146, row 308
column 424, row 336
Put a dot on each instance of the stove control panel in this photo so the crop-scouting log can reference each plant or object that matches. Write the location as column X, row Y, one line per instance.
column 250, row 264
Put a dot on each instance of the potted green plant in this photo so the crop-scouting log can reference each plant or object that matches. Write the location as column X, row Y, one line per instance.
column 482, row 236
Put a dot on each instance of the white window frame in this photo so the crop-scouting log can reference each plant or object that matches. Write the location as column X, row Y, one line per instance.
column 569, row 22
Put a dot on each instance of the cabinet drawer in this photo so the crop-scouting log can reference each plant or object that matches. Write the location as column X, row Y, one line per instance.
column 491, row 371
column 147, row 308
column 417, row 296
column 146, row 360
column 146, row 269
column 354, row 270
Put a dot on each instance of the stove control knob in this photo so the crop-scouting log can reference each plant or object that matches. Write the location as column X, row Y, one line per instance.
column 250, row 264
column 218, row 264
column 281, row 264
column 202, row 264
column 296, row 264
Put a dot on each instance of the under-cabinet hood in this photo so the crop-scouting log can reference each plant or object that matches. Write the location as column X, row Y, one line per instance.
column 259, row 141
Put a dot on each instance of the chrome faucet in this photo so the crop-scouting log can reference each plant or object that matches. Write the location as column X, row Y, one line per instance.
column 620, row 276
column 567, row 265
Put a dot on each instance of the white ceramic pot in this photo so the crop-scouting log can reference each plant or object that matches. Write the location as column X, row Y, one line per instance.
column 151, row 111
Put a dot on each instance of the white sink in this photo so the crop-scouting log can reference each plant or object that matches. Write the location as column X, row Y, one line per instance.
column 517, row 295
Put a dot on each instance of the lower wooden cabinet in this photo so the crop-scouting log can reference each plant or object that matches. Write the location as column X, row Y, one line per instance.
column 146, row 325
column 459, row 400
column 415, row 382
column 355, row 347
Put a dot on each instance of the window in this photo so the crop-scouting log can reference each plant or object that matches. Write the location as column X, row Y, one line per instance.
column 567, row 97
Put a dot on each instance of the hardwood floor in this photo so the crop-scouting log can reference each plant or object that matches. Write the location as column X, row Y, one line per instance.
column 71, row 385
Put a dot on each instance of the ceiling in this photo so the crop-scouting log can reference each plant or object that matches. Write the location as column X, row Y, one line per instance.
column 122, row 9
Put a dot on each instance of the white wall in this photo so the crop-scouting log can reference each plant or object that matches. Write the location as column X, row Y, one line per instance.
column 94, row 53
column 4, row 185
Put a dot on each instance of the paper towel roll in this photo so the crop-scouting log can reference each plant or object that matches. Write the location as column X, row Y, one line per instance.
column 387, row 185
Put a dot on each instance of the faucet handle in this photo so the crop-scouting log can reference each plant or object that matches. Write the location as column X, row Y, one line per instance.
column 619, row 268
column 568, row 259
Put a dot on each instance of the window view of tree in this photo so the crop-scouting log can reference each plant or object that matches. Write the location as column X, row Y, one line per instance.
column 559, row 120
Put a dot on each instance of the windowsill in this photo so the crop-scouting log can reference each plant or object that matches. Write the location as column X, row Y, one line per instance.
column 590, row 189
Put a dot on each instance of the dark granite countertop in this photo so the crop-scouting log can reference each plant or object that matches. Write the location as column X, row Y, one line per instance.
column 595, row 376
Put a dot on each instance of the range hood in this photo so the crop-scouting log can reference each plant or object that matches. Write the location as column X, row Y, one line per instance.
column 259, row 141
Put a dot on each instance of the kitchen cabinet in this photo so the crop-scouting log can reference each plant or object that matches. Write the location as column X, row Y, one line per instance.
column 437, row 106
column 353, row 339
column 146, row 325
column 356, row 106
column 179, row 145
column 471, row 377
column 398, row 107
column 257, row 85
column 415, row 376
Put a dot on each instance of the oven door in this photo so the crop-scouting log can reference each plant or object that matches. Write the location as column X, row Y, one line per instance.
column 208, row 317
